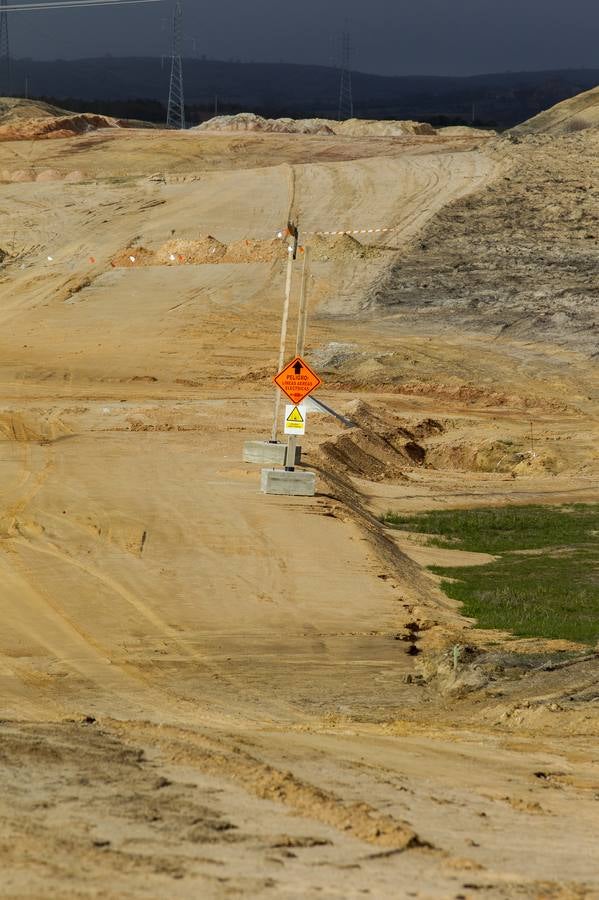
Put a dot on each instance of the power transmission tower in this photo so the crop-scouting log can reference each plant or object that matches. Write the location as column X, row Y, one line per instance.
column 4, row 52
column 176, row 99
column 346, row 96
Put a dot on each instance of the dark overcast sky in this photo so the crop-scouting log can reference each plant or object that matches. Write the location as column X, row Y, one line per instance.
column 392, row 37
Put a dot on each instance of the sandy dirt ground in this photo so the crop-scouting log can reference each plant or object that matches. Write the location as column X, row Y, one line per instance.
column 207, row 692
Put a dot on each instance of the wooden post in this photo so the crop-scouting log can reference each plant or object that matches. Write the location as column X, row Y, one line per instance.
column 291, row 254
column 302, row 317
column 300, row 343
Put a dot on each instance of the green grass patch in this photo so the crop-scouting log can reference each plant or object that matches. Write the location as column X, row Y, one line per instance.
column 551, row 594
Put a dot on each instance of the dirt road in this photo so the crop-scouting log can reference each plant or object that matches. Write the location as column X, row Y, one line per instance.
column 206, row 691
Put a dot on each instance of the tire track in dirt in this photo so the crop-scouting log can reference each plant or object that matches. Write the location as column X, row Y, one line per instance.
column 163, row 630
column 38, row 620
column 9, row 516
column 226, row 758
column 333, row 195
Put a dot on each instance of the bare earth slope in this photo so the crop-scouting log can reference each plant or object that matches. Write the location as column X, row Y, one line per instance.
column 210, row 692
column 518, row 259
column 572, row 115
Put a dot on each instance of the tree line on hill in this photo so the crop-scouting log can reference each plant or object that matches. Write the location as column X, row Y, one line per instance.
column 137, row 88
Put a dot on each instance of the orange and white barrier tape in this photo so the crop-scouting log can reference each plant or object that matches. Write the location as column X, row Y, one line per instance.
column 132, row 259
column 355, row 231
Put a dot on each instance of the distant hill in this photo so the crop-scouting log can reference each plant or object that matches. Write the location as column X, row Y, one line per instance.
column 577, row 114
column 273, row 90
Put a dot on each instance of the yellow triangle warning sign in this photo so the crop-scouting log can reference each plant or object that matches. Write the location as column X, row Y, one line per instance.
column 295, row 416
column 295, row 419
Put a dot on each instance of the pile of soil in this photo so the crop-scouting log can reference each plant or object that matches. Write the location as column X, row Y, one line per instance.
column 47, row 127
column 208, row 250
column 382, row 128
column 490, row 456
column 250, row 251
column 134, row 257
column 381, row 445
column 205, row 250
column 349, row 128
column 252, row 122
column 341, row 247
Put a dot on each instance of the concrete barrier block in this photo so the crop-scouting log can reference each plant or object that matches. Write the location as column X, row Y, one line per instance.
column 289, row 484
column 265, row 453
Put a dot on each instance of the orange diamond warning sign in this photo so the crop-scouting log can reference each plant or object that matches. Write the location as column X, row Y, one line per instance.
column 297, row 380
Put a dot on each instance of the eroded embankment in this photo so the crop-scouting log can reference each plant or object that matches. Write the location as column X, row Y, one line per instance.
column 518, row 259
column 509, row 677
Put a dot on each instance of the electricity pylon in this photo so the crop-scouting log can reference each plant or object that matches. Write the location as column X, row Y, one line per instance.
column 346, row 96
column 176, row 99
column 4, row 52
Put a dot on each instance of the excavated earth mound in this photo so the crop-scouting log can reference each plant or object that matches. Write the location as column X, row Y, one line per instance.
column 341, row 247
column 45, row 127
column 207, row 250
column 381, row 445
column 255, row 123
column 349, row 128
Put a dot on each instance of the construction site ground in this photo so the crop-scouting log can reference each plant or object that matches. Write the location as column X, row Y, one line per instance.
column 210, row 692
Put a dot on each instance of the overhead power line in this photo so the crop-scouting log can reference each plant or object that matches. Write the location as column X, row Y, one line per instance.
column 6, row 7
column 71, row 4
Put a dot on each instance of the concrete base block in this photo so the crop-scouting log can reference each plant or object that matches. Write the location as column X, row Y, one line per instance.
column 265, row 453
column 290, row 484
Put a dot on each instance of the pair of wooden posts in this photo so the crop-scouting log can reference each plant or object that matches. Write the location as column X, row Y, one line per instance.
column 300, row 338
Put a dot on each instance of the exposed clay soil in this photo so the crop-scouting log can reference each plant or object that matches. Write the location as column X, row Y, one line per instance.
column 207, row 251
column 210, row 692
column 43, row 128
